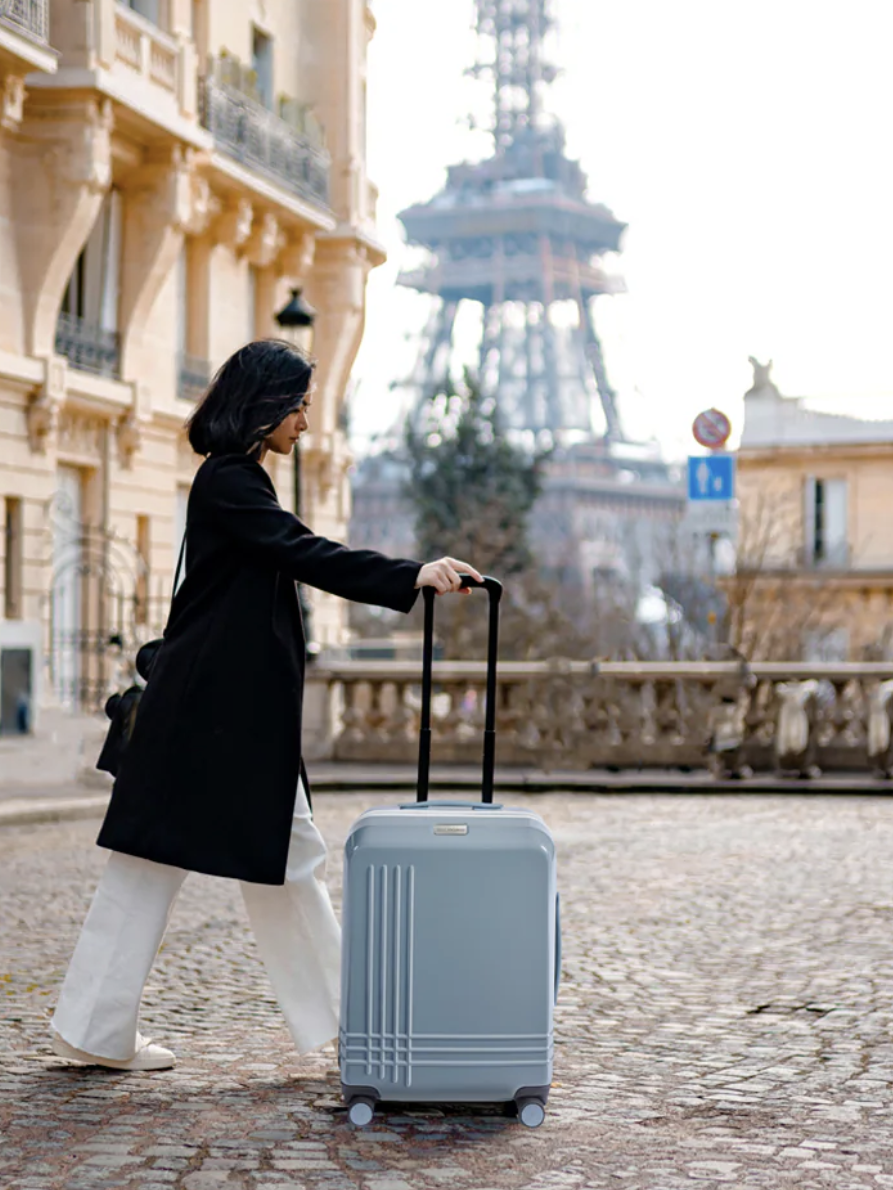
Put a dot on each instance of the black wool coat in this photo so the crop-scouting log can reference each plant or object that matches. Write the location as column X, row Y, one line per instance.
column 209, row 778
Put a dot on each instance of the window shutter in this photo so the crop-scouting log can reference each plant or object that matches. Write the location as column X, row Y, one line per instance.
column 809, row 521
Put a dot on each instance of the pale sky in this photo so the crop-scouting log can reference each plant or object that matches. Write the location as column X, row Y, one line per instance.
column 747, row 145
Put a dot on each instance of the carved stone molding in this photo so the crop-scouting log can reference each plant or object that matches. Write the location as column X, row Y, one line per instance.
column 265, row 241
column 129, row 433
column 233, row 225
column 85, row 158
column 170, row 189
column 42, row 415
column 296, row 257
column 80, row 434
column 203, row 205
column 13, row 102
column 43, row 409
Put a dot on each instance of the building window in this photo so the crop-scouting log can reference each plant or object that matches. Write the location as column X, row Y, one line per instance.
column 262, row 65
column 13, row 557
column 143, row 546
column 827, row 535
column 87, row 327
column 150, row 10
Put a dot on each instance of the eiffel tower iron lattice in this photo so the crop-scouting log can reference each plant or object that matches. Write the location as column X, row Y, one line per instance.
column 516, row 234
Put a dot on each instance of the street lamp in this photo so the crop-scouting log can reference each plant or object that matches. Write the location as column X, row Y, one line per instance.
column 295, row 320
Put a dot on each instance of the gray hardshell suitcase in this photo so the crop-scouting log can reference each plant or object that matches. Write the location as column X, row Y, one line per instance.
column 451, row 941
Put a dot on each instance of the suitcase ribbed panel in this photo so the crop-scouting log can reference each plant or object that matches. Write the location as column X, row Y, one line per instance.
column 388, row 1052
column 384, row 1047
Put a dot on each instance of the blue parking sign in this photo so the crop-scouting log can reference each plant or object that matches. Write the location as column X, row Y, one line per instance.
column 711, row 477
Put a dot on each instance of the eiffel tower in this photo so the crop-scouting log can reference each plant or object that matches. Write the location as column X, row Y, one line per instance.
column 516, row 235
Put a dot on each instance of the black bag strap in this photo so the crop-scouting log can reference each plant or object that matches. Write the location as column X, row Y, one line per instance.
column 179, row 567
column 494, row 590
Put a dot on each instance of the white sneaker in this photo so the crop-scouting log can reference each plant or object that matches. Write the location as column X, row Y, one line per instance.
column 148, row 1056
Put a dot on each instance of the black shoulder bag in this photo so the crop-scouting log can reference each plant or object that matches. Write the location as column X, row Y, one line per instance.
column 121, row 708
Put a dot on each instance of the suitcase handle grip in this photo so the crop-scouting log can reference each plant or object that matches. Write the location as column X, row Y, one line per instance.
column 460, row 805
column 493, row 588
column 492, row 585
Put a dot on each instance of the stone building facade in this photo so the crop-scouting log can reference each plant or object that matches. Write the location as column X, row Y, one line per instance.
column 169, row 170
column 815, row 549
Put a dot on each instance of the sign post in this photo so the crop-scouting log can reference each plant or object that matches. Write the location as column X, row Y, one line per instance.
column 712, row 507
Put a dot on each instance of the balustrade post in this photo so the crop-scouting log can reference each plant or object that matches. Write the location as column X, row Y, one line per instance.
column 105, row 33
column 180, row 27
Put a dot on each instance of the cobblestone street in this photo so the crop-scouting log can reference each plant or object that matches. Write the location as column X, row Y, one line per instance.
column 725, row 1019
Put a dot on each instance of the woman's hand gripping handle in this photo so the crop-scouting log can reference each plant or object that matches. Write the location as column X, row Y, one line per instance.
column 445, row 575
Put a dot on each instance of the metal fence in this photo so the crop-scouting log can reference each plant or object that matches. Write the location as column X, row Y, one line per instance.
column 98, row 610
column 252, row 134
column 28, row 16
column 87, row 346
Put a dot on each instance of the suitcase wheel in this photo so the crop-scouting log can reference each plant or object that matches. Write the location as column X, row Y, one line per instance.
column 531, row 1112
column 360, row 1111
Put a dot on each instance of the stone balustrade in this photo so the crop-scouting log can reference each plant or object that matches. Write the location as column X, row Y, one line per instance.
column 147, row 50
column 577, row 715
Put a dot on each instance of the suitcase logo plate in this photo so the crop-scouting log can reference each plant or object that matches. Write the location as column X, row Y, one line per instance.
column 451, row 828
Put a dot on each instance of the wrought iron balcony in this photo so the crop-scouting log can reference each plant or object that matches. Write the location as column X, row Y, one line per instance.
column 27, row 16
column 259, row 139
column 87, row 346
column 193, row 376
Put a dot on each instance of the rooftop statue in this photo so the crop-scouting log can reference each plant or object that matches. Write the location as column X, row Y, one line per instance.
column 763, row 384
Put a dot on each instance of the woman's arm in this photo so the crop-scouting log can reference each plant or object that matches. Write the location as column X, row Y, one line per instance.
column 238, row 497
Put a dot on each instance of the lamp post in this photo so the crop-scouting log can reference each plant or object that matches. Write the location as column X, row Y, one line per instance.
column 295, row 320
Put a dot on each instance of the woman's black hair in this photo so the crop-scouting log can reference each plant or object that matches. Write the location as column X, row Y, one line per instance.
column 252, row 392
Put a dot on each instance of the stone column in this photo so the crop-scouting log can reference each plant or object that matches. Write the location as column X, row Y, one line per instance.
column 336, row 288
column 163, row 200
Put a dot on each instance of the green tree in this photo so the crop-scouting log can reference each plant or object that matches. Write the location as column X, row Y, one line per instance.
column 473, row 489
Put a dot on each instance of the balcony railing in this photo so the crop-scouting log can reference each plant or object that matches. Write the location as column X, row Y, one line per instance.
column 27, row 16
column 87, row 346
column 263, row 141
column 193, row 375
column 145, row 49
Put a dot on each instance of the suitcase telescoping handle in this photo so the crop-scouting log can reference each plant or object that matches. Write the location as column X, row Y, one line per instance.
column 493, row 588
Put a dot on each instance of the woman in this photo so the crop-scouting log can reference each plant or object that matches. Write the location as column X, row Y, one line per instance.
column 212, row 779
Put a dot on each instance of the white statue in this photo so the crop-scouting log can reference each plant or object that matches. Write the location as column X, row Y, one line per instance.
column 763, row 384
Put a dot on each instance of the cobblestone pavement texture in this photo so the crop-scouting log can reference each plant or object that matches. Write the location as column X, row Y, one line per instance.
column 724, row 1020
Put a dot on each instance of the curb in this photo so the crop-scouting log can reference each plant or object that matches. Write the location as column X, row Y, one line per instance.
column 30, row 811
column 27, row 811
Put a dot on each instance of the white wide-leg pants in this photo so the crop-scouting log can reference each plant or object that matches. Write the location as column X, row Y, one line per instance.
column 294, row 925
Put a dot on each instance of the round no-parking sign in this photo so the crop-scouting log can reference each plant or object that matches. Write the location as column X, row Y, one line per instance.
column 712, row 429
